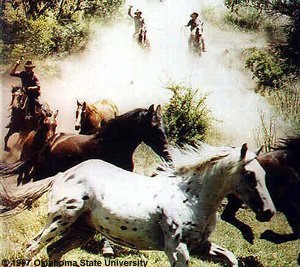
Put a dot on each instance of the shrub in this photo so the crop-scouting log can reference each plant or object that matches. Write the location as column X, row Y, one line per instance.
column 245, row 16
column 266, row 67
column 186, row 115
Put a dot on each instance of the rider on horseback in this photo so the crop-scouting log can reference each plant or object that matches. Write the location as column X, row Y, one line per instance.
column 30, row 86
column 139, row 23
column 195, row 24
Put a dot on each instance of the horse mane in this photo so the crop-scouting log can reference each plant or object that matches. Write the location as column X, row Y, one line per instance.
column 291, row 144
column 203, row 158
column 134, row 115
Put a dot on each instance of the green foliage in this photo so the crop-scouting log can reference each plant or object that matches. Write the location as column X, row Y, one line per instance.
column 186, row 115
column 38, row 29
column 266, row 67
column 245, row 16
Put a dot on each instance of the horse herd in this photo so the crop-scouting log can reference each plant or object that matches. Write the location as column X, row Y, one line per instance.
column 175, row 211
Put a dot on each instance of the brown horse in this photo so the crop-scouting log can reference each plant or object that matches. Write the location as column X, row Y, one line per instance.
column 35, row 141
column 89, row 118
column 142, row 39
column 282, row 166
column 196, row 42
column 114, row 143
column 18, row 122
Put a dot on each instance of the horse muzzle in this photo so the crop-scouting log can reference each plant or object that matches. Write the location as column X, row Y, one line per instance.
column 77, row 127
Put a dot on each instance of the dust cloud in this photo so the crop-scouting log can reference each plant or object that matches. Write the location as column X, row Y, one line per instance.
column 114, row 67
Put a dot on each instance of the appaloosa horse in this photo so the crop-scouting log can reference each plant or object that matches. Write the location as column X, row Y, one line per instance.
column 18, row 122
column 90, row 118
column 282, row 166
column 174, row 212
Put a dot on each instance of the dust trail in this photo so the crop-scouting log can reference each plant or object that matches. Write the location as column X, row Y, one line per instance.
column 115, row 67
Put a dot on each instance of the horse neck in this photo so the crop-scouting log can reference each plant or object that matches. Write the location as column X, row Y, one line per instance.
column 207, row 188
column 91, row 121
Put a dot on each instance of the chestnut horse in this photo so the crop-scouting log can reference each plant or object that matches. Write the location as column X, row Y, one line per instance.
column 89, row 118
column 18, row 122
column 35, row 141
column 282, row 166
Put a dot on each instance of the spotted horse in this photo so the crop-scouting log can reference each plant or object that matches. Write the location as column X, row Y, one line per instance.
column 174, row 212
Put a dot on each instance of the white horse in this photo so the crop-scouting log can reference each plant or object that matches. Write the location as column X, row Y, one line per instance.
column 174, row 212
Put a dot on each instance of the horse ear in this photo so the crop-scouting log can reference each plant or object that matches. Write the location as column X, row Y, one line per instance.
column 257, row 152
column 158, row 111
column 243, row 151
column 151, row 109
column 84, row 105
column 55, row 114
column 78, row 103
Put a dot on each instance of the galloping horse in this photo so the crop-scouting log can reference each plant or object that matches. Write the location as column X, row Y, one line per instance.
column 89, row 118
column 196, row 42
column 142, row 39
column 282, row 166
column 35, row 141
column 174, row 212
column 18, row 112
column 114, row 142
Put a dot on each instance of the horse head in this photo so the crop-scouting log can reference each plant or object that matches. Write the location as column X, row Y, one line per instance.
column 155, row 132
column 251, row 185
column 80, row 114
column 48, row 123
column 18, row 98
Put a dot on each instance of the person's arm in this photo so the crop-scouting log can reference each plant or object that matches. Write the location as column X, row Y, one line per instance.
column 129, row 12
column 189, row 23
column 14, row 71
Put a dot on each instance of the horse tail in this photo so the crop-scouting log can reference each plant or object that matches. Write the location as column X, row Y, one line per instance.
column 12, row 168
column 24, row 197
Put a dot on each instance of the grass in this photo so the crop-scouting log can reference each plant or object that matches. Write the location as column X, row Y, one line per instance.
column 17, row 231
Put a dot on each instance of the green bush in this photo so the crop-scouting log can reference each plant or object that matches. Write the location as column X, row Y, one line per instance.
column 266, row 67
column 186, row 115
column 245, row 16
column 40, row 29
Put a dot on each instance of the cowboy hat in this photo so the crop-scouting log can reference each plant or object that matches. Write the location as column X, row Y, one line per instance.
column 29, row 64
column 194, row 14
column 138, row 12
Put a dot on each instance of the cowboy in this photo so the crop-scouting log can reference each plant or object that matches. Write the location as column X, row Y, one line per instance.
column 30, row 85
column 139, row 22
column 194, row 24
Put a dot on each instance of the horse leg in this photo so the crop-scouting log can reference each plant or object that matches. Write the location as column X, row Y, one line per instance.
column 212, row 251
column 107, row 250
column 292, row 214
column 176, row 250
column 10, row 133
column 59, row 220
column 228, row 215
column 78, row 234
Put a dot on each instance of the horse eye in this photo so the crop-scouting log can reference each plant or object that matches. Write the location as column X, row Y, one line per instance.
column 250, row 176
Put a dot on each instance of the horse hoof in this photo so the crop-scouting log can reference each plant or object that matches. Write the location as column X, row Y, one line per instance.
column 108, row 253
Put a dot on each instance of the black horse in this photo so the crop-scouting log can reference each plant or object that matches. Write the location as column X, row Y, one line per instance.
column 114, row 143
column 282, row 166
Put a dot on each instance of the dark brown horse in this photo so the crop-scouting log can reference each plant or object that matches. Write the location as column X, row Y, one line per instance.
column 18, row 122
column 114, row 143
column 282, row 166
column 35, row 141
